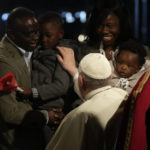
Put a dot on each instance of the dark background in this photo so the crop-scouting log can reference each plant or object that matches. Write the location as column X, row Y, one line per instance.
column 139, row 9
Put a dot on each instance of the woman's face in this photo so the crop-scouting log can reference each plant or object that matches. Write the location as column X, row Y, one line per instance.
column 109, row 30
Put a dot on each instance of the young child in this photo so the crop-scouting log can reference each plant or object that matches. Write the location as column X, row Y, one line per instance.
column 51, row 29
column 52, row 32
column 50, row 81
column 129, row 64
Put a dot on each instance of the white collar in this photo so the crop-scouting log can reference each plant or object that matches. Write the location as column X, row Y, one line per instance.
column 23, row 52
column 102, row 51
column 94, row 92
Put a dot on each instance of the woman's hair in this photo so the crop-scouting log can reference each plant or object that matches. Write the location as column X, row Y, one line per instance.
column 100, row 13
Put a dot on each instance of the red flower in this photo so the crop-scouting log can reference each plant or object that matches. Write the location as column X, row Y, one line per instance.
column 8, row 83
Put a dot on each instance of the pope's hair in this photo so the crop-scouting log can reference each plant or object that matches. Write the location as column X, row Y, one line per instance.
column 94, row 83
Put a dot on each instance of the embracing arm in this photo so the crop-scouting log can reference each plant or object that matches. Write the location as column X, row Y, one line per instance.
column 60, row 83
column 16, row 110
column 12, row 109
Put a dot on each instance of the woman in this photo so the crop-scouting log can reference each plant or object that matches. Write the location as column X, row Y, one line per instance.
column 107, row 28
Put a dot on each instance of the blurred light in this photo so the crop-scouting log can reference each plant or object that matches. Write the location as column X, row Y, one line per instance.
column 69, row 17
column 63, row 14
column 4, row 16
column 81, row 15
column 82, row 38
column 77, row 14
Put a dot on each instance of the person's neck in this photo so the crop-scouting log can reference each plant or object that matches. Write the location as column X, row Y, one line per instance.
column 109, row 47
column 88, row 90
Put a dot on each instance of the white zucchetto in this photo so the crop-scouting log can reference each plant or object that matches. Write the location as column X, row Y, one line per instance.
column 95, row 66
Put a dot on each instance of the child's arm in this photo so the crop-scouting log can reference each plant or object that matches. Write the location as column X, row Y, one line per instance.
column 58, row 87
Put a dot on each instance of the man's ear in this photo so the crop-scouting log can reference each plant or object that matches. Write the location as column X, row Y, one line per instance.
column 111, row 76
column 81, row 82
column 10, row 34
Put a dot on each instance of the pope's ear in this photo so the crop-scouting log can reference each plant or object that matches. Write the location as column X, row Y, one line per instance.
column 82, row 82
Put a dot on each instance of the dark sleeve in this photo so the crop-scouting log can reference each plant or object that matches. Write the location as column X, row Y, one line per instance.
column 56, row 87
column 14, row 110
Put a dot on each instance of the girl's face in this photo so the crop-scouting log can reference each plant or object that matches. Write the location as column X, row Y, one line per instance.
column 109, row 30
column 127, row 64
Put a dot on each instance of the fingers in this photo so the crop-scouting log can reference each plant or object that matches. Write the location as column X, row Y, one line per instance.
column 59, row 59
column 65, row 50
column 67, row 60
column 60, row 49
